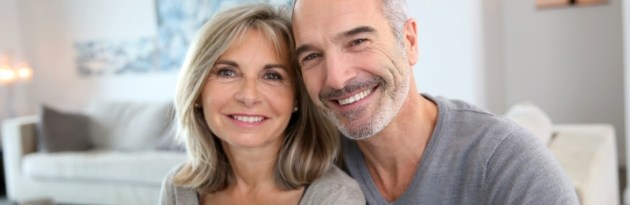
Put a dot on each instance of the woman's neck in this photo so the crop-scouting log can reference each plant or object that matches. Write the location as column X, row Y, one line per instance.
column 254, row 180
column 252, row 167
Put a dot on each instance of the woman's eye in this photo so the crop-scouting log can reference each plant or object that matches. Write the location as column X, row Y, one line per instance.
column 226, row 73
column 272, row 76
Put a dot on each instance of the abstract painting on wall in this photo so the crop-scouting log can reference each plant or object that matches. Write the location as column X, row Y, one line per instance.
column 179, row 21
column 106, row 57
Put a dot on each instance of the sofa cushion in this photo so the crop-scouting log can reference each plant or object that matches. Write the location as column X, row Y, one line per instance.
column 59, row 131
column 169, row 143
column 532, row 118
column 129, row 167
column 127, row 126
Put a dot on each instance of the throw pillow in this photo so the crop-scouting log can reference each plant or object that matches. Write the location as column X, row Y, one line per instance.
column 128, row 126
column 532, row 118
column 167, row 141
column 59, row 131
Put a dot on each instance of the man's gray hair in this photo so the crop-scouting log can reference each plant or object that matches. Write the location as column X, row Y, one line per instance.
column 396, row 13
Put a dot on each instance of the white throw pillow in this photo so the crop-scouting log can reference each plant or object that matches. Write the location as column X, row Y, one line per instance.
column 127, row 126
column 532, row 118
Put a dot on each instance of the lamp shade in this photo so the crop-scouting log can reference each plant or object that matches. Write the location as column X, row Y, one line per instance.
column 12, row 70
column 23, row 72
column 7, row 75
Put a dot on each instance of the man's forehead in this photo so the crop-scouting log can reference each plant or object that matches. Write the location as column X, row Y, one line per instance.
column 322, row 8
column 333, row 16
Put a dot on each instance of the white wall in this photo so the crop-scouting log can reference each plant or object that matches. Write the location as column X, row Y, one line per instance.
column 461, row 50
column 10, row 40
column 11, row 44
column 568, row 61
column 493, row 44
column 52, row 27
column 450, row 47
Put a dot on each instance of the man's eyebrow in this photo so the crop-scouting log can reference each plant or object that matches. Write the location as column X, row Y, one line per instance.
column 303, row 48
column 355, row 31
column 361, row 29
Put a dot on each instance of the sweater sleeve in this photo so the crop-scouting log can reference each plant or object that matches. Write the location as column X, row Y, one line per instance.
column 523, row 171
column 167, row 193
column 172, row 194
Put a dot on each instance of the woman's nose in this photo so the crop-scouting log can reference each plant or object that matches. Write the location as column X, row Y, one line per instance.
column 248, row 93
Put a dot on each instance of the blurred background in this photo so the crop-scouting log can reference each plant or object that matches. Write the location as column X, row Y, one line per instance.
column 569, row 59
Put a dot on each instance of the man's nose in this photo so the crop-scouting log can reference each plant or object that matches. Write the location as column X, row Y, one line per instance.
column 248, row 93
column 338, row 71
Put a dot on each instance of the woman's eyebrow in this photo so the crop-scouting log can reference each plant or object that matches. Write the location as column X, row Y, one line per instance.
column 227, row 62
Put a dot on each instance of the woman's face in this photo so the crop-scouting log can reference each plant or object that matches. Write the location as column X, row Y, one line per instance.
column 249, row 95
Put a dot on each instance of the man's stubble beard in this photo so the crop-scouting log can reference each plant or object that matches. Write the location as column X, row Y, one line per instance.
column 384, row 113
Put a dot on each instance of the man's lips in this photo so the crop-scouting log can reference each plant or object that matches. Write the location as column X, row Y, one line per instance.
column 355, row 90
column 354, row 97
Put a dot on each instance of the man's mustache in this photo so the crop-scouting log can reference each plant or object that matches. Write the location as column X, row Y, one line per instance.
column 352, row 86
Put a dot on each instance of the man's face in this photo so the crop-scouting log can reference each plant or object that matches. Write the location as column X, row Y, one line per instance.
column 354, row 68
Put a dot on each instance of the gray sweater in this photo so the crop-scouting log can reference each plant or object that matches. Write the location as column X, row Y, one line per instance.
column 334, row 187
column 474, row 157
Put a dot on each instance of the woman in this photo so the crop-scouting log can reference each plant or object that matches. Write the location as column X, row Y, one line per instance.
column 252, row 134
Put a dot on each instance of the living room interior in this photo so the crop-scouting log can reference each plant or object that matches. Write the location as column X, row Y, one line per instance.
column 561, row 70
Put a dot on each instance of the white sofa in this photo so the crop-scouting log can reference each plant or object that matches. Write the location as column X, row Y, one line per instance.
column 586, row 152
column 106, row 174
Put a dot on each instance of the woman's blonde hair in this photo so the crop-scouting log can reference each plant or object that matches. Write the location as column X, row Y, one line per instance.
column 311, row 143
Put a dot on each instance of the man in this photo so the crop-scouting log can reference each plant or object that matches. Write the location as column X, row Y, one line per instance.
column 356, row 57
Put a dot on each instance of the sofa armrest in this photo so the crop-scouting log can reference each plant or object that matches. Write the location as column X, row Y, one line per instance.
column 19, row 135
column 587, row 153
column 18, row 139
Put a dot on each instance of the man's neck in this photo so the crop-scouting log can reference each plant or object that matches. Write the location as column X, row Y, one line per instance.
column 393, row 155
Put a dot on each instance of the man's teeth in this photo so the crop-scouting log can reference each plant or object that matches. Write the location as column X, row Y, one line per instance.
column 355, row 97
column 247, row 119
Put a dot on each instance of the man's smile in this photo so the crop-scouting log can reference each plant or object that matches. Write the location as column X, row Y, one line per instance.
column 355, row 97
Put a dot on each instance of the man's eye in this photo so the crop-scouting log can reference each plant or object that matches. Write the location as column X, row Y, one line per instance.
column 310, row 57
column 357, row 42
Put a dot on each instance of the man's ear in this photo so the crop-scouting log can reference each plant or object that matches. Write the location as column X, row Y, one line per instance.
column 410, row 34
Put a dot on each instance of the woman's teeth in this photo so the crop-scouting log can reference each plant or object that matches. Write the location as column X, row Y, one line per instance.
column 247, row 118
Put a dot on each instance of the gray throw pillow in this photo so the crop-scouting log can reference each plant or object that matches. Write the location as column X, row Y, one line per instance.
column 59, row 131
column 167, row 141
